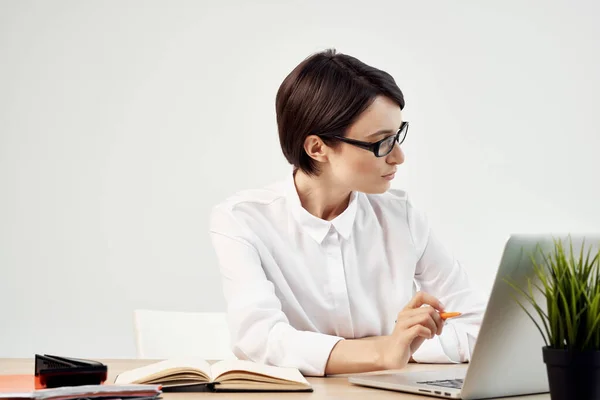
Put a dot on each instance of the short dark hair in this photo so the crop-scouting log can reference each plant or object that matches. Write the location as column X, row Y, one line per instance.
column 323, row 96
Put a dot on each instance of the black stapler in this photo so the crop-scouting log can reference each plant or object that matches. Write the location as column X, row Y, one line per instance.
column 54, row 371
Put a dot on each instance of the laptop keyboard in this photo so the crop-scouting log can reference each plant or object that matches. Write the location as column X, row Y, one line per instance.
column 449, row 383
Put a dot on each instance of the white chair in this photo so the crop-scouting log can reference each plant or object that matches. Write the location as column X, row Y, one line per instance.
column 172, row 334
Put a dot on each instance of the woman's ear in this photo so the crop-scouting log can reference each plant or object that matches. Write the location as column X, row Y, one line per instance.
column 316, row 148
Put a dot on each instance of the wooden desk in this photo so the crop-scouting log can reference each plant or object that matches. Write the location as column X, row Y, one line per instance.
column 324, row 388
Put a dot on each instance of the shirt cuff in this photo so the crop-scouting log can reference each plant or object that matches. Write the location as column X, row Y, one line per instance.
column 318, row 354
column 307, row 351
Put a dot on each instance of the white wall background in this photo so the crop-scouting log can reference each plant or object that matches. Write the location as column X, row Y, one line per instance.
column 123, row 122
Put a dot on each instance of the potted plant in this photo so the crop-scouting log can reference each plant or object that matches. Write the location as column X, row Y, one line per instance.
column 569, row 282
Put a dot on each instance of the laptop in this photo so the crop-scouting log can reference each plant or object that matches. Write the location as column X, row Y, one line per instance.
column 507, row 356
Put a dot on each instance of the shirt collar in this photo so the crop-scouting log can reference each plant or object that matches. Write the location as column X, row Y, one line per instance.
column 316, row 227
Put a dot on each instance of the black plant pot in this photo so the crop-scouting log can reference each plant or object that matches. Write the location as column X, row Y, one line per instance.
column 573, row 375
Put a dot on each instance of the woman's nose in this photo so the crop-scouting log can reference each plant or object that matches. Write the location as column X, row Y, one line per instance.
column 396, row 156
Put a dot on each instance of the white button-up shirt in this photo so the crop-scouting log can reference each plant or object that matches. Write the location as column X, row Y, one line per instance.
column 296, row 284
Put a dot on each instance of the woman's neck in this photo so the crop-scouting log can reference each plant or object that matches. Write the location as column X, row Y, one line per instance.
column 320, row 196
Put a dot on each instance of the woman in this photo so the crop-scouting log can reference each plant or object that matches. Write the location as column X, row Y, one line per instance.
column 318, row 270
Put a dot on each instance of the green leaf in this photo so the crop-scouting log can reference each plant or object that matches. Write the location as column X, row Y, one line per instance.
column 570, row 284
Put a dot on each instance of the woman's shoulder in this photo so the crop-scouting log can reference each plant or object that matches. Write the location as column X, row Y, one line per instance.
column 251, row 201
column 258, row 196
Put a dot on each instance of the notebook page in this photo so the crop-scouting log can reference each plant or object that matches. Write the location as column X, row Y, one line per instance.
column 162, row 368
column 288, row 374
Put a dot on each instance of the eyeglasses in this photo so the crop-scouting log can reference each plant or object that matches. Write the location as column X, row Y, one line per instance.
column 381, row 148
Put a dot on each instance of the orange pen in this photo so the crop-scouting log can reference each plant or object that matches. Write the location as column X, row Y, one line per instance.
column 446, row 315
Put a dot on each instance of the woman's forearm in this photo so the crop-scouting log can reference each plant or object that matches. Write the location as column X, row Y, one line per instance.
column 355, row 356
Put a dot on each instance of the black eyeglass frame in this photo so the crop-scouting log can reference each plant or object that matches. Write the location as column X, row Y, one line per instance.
column 374, row 147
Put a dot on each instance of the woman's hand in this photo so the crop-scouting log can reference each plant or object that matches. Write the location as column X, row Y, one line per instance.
column 418, row 321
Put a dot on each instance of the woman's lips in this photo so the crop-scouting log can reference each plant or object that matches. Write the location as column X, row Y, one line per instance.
column 389, row 177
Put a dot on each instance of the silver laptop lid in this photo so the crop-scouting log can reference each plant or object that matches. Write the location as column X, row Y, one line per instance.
column 507, row 359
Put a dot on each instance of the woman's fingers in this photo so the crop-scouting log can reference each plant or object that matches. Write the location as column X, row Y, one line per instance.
column 417, row 331
column 422, row 298
column 439, row 322
column 423, row 318
column 426, row 315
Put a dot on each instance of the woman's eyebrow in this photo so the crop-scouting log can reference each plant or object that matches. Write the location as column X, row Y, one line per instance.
column 381, row 132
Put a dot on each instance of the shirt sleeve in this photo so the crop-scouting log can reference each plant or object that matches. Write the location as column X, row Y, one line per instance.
column 259, row 329
column 439, row 274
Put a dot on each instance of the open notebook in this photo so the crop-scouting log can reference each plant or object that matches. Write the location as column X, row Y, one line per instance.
column 232, row 375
